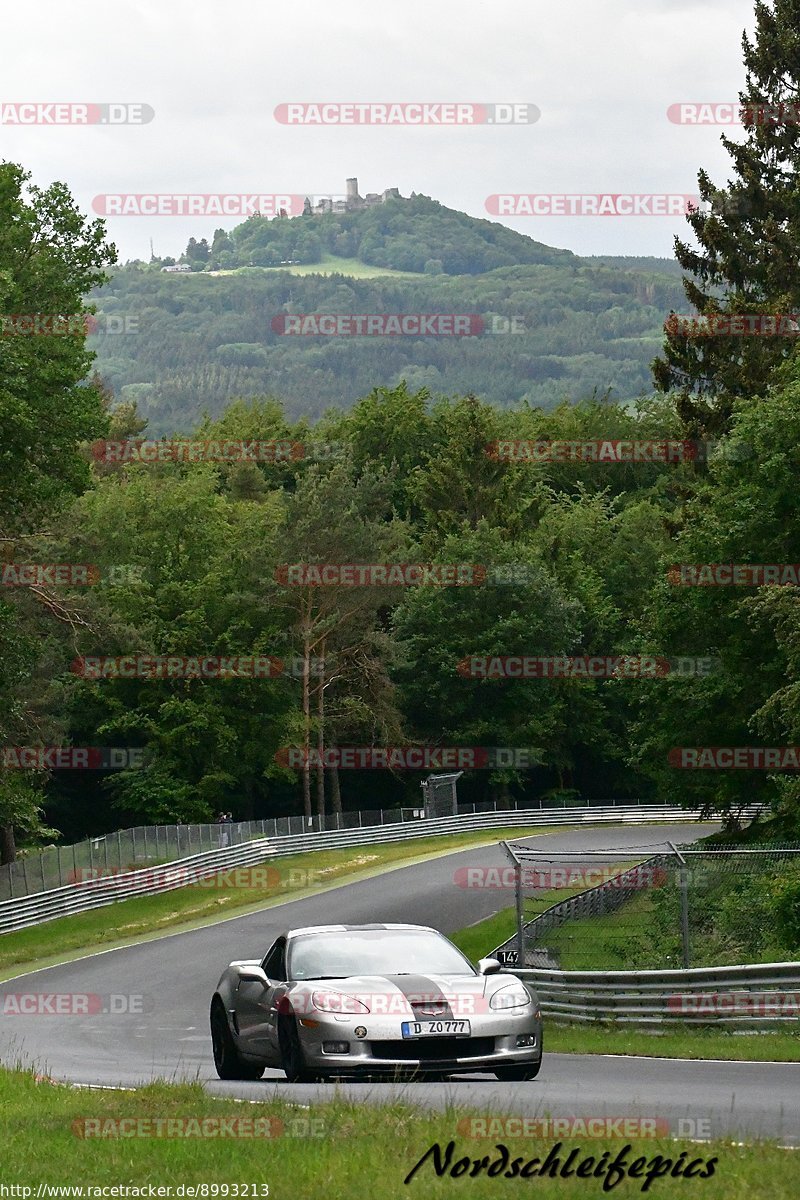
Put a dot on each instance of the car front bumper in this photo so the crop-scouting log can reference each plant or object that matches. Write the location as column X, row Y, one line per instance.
column 381, row 1048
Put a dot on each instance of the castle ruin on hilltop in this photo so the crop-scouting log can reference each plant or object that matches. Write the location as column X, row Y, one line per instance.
column 352, row 202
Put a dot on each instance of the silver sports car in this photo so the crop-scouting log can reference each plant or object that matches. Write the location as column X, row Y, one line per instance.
column 349, row 1000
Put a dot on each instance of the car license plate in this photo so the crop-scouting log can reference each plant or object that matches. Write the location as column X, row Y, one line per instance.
column 421, row 1029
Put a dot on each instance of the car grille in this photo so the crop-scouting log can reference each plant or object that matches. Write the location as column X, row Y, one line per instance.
column 430, row 1009
column 432, row 1049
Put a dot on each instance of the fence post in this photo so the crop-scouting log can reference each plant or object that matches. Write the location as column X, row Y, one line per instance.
column 520, row 930
column 119, row 849
column 683, row 884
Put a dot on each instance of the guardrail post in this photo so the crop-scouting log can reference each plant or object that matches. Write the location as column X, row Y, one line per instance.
column 58, row 860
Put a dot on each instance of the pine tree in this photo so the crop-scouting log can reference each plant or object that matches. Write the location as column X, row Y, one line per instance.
column 748, row 235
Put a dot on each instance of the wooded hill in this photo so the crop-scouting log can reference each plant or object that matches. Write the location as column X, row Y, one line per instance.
column 184, row 344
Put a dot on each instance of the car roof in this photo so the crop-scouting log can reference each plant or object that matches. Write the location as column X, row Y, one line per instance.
column 312, row 929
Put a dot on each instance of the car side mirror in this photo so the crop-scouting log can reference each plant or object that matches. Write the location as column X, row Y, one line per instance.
column 489, row 966
column 253, row 975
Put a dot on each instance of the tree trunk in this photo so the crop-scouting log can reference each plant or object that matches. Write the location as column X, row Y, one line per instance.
column 321, row 747
column 336, row 794
column 8, row 846
column 306, row 729
column 504, row 799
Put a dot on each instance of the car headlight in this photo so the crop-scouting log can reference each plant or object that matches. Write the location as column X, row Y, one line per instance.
column 513, row 996
column 337, row 1002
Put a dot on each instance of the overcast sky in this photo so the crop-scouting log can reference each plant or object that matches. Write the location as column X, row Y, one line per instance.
column 603, row 75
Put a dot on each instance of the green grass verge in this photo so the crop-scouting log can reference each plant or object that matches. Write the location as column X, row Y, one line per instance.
column 773, row 1046
column 202, row 904
column 616, row 942
column 335, row 1150
column 480, row 939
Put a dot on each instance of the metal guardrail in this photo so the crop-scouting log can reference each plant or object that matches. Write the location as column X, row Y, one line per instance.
column 125, row 849
column 51, row 867
column 86, row 894
column 750, row 996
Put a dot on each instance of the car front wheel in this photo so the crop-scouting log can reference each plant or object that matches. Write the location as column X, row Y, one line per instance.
column 293, row 1060
column 518, row 1074
column 227, row 1059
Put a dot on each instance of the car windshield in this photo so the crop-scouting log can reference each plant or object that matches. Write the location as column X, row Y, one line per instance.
column 337, row 955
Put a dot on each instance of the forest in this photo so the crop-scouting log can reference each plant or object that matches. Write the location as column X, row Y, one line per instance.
column 339, row 523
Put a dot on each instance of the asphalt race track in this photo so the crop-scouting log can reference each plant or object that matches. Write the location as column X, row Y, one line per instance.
column 175, row 977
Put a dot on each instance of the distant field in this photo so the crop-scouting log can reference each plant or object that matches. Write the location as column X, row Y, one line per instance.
column 330, row 265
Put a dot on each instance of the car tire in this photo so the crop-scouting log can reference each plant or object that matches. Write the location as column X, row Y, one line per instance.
column 227, row 1059
column 293, row 1060
column 518, row 1074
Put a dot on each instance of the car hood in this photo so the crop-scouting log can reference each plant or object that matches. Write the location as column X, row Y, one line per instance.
column 415, row 995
